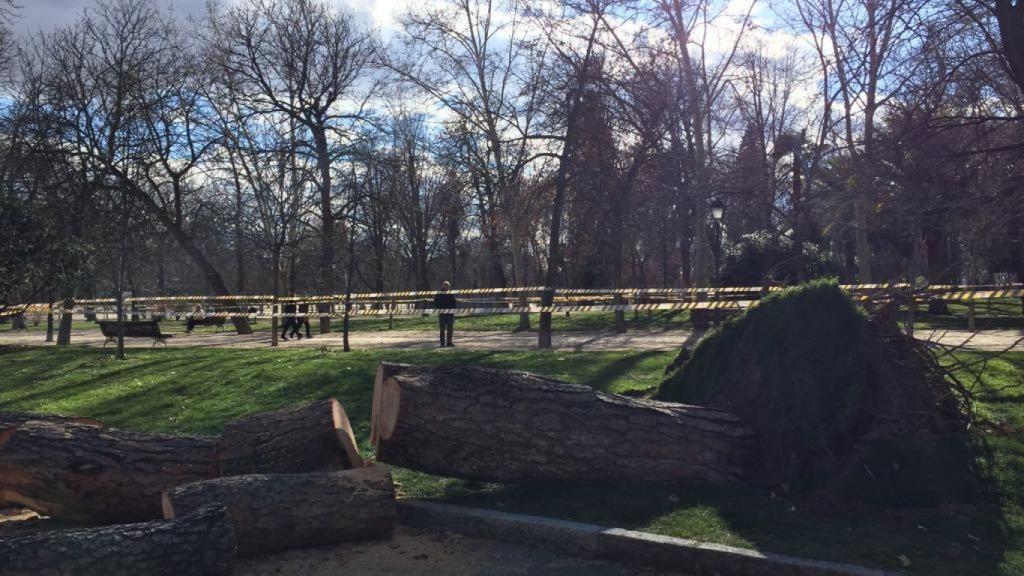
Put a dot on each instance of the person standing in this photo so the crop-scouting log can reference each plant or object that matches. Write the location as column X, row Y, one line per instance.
column 445, row 300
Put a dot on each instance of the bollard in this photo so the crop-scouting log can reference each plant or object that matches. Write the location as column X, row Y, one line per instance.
column 971, row 323
column 911, row 309
column 620, row 316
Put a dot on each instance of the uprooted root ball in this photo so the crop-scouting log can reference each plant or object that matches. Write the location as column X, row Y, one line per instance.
column 841, row 401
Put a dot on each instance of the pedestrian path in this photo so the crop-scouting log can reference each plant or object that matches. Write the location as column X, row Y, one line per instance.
column 599, row 341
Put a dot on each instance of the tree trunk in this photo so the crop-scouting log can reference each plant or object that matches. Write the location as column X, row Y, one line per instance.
column 504, row 426
column 10, row 421
column 200, row 544
column 64, row 329
column 84, row 472
column 323, row 163
column 273, row 512
column 312, row 438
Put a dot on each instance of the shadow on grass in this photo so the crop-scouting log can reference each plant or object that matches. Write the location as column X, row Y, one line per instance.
column 945, row 541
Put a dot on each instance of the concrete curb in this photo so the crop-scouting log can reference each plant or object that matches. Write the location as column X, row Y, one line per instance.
column 625, row 546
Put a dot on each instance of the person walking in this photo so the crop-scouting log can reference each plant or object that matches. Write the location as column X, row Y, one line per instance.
column 289, row 320
column 445, row 300
column 302, row 320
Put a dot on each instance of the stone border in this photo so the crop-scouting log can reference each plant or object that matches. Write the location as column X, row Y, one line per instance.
column 617, row 545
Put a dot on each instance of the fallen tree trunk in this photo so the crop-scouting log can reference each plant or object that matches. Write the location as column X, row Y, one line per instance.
column 83, row 472
column 200, row 544
column 505, row 426
column 312, row 438
column 272, row 512
column 9, row 421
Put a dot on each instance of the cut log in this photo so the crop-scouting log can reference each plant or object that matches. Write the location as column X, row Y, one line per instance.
column 272, row 512
column 81, row 472
column 312, row 438
column 9, row 421
column 200, row 544
column 505, row 426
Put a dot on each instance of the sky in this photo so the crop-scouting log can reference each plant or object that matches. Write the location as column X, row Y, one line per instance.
column 44, row 15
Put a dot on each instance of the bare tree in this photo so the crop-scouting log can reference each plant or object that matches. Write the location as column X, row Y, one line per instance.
column 303, row 59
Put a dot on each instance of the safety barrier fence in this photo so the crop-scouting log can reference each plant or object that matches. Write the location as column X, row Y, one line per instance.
column 715, row 304
column 525, row 300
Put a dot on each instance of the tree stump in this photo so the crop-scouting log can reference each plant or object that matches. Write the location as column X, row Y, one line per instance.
column 312, row 438
column 200, row 544
column 505, row 426
column 272, row 512
column 82, row 472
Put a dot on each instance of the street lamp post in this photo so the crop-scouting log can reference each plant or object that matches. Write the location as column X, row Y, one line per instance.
column 717, row 213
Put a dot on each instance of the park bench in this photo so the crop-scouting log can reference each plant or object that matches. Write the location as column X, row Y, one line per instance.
column 217, row 321
column 134, row 329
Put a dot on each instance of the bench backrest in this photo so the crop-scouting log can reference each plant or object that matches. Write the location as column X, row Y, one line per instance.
column 136, row 329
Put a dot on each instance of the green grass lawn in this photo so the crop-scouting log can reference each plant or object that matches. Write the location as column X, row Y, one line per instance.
column 198, row 390
column 1004, row 313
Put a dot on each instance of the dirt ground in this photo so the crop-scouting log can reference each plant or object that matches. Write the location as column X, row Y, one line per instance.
column 599, row 341
column 430, row 553
column 412, row 552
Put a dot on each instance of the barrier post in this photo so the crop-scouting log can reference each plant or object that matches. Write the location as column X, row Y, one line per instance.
column 620, row 315
column 971, row 323
column 911, row 309
column 544, row 333
column 49, row 323
column 273, row 321
column 524, row 317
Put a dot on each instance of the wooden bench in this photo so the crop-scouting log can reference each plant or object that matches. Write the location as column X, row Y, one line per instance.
column 217, row 321
column 133, row 329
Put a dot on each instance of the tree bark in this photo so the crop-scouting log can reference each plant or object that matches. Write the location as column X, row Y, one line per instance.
column 83, row 472
column 10, row 421
column 323, row 164
column 272, row 512
column 312, row 438
column 504, row 426
column 200, row 544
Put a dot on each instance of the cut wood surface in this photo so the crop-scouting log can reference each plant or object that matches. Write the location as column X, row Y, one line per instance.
column 272, row 512
column 200, row 544
column 77, row 471
column 506, row 426
column 312, row 438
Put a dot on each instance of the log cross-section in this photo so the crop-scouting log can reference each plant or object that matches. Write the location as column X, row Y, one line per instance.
column 200, row 544
column 507, row 426
column 79, row 471
column 315, row 437
column 272, row 512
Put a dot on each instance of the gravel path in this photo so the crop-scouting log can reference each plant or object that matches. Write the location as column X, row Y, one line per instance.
column 600, row 341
